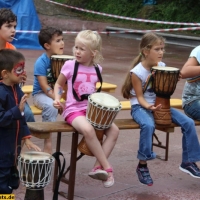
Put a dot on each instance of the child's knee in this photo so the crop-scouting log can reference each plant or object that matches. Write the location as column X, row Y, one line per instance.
column 49, row 113
column 89, row 132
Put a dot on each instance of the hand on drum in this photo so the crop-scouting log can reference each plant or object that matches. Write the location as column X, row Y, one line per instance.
column 153, row 108
column 179, row 77
column 30, row 145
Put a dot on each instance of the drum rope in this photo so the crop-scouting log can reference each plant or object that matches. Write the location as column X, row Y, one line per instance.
column 42, row 168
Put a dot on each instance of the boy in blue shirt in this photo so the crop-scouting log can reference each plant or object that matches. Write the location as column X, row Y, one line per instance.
column 51, row 40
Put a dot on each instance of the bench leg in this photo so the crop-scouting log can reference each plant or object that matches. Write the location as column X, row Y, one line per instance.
column 56, row 165
column 72, row 173
column 159, row 144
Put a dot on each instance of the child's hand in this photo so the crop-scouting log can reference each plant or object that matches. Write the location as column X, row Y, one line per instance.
column 22, row 103
column 30, row 145
column 179, row 77
column 153, row 108
column 57, row 104
column 23, row 78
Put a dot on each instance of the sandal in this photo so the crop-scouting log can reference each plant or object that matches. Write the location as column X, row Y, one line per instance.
column 98, row 173
column 110, row 181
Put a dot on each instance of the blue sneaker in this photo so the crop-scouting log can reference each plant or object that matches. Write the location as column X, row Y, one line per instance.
column 144, row 176
column 190, row 168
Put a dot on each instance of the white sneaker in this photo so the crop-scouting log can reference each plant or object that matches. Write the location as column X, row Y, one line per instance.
column 98, row 173
column 109, row 182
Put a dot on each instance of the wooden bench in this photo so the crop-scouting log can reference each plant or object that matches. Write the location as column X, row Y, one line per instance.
column 175, row 103
column 42, row 130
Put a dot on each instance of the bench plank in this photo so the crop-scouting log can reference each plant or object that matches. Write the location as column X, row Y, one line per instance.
column 62, row 126
column 175, row 103
column 43, row 129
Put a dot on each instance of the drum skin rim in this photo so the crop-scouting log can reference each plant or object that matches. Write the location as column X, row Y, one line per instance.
column 93, row 102
column 166, row 68
column 62, row 57
column 35, row 155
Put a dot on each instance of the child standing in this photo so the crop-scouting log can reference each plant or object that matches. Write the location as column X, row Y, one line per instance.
column 87, row 51
column 51, row 40
column 142, row 107
column 13, row 127
column 8, row 22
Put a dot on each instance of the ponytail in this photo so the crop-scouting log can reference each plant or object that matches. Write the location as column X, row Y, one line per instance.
column 127, row 86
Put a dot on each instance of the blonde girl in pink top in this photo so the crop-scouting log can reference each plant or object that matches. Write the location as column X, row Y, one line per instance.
column 87, row 52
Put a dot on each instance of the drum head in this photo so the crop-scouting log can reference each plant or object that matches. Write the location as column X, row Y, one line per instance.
column 35, row 155
column 165, row 68
column 63, row 57
column 105, row 100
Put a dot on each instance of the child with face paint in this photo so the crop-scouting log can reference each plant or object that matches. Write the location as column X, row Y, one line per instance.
column 8, row 23
column 13, row 127
column 51, row 40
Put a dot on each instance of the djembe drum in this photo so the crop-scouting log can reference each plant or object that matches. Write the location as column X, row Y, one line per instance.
column 163, row 84
column 101, row 111
column 57, row 61
column 35, row 169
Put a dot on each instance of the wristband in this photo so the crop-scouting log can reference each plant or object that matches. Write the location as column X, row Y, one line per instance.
column 49, row 89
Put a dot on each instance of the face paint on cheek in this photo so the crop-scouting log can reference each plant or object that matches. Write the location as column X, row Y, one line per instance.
column 19, row 69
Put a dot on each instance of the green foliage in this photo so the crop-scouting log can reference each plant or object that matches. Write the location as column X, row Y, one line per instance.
column 164, row 10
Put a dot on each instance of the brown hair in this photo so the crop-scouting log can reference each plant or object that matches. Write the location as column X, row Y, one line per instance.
column 46, row 35
column 148, row 40
column 9, row 58
column 7, row 16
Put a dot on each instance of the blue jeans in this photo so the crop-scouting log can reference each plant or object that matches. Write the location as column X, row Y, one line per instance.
column 28, row 113
column 45, row 103
column 193, row 109
column 190, row 142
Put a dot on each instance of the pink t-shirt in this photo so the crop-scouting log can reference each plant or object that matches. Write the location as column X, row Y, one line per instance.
column 85, row 83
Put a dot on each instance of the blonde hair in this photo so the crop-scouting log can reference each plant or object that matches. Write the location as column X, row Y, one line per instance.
column 93, row 42
column 148, row 40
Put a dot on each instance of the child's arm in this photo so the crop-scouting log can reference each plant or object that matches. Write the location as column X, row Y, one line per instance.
column 137, row 86
column 190, row 68
column 58, row 90
column 30, row 144
column 45, row 87
column 15, row 113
